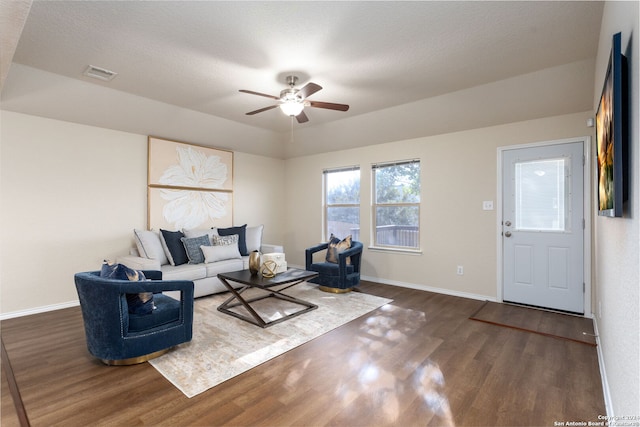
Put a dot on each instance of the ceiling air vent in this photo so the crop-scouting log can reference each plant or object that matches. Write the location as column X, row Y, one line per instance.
column 99, row 73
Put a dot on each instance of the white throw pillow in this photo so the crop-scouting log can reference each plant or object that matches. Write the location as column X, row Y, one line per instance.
column 220, row 253
column 149, row 245
column 254, row 238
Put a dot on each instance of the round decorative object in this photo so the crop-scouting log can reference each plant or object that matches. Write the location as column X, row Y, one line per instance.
column 254, row 262
column 269, row 269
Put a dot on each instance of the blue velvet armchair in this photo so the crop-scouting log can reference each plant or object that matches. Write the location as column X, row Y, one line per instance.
column 118, row 337
column 332, row 277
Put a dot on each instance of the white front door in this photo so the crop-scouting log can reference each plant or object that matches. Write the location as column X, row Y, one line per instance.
column 543, row 226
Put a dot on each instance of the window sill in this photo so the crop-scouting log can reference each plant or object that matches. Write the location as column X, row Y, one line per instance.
column 395, row 250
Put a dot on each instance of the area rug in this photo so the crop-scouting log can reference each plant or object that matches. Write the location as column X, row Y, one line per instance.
column 224, row 346
column 552, row 324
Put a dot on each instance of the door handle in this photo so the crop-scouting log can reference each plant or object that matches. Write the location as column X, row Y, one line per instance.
column 507, row 234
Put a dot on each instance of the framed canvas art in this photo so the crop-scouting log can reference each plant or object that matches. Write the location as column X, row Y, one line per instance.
column 189, row 186
column 612, row 135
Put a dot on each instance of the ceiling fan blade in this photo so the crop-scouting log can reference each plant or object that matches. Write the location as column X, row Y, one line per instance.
column 251, row 113
column 309, row 89
column 329, row 105
column 302, row 117
column 250, row 92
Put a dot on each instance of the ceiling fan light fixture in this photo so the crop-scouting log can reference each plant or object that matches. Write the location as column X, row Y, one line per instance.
column 292, row 108
column 292, row 101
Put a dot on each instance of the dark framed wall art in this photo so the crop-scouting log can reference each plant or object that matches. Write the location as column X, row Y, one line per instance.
column 612, row 135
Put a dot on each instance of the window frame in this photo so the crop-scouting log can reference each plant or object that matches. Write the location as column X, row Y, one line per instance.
column 326, row 205
column 375, row 205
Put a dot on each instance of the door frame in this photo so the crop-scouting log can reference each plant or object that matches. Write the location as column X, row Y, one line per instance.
column 587, row 212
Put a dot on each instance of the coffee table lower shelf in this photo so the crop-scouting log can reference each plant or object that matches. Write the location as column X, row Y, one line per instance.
column 289, row 278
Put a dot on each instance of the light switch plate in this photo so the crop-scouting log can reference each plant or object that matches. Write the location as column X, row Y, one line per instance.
column 487, row 205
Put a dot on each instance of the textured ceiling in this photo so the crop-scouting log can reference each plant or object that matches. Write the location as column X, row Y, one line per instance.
column 370, row 55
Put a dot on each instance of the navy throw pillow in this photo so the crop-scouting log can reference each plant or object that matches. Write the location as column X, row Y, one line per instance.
column 241, row 231
column 141, row 303
column 172, row 242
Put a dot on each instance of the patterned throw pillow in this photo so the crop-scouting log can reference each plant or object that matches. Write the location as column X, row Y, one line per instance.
column 192, row 247
column 141, row 303
column 225, row 240
column 241, row 231
column 337, row 246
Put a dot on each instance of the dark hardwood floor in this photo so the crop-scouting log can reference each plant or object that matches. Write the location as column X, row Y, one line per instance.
column 419, row 361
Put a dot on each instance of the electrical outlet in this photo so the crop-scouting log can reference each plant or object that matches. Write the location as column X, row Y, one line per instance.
column 460, row 270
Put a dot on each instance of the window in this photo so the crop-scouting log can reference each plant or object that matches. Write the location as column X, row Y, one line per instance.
column 542, row 195
column 396, row 205
column 342, row 202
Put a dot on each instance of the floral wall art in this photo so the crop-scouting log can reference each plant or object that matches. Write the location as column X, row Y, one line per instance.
column 189, row 186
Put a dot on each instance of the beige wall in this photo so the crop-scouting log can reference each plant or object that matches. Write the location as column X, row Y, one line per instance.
column 617, row 240
column 258, row 195
column 458, row 173
column 72, row 194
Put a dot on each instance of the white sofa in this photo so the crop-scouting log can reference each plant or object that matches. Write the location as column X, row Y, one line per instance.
column 152, row 253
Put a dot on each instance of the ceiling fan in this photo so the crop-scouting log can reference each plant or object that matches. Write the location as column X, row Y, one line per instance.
column 292, row 101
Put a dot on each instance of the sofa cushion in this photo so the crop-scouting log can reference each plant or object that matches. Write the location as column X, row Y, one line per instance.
column 149, row 245
column 329, row 268
column 167, row 311
column 254, row 238
column 192, row 247
column 141, row 303
column 172, row 243
column 217, row 253
column 184, row 272
column 224, row 266
column 337, row 246
column 241, row 231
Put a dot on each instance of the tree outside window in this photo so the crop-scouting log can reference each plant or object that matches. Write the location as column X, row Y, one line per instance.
column 342, row 202
column 396, row 207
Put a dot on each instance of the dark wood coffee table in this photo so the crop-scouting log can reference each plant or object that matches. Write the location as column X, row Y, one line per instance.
column 289, row 278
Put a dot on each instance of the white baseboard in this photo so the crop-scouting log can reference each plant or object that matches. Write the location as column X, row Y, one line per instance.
column 429, row 289
column 419, row 287
column 37, row 310
column 608, row 404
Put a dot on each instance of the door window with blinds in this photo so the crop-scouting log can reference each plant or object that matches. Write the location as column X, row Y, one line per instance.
column 342, row 202
column 396, row 204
